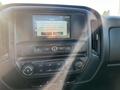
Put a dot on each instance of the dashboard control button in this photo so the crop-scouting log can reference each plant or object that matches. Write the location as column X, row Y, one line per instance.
column 28, row 70
column 40, row 70
column 68, row 48
column 61, row 48
column 78, row 65
column 84, row 59
column 49, row 64
column 54, row 48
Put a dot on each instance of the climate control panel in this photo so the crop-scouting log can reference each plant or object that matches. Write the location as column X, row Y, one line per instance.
column 45, row 67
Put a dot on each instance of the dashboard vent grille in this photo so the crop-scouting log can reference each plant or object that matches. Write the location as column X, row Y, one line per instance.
column 95, row 37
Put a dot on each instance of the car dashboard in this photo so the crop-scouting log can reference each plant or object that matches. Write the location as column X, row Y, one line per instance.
column 50, row 41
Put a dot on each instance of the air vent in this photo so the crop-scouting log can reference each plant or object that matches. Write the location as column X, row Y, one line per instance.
column 95, row 37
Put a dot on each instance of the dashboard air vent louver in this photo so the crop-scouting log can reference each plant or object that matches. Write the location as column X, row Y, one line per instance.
column 95, row 37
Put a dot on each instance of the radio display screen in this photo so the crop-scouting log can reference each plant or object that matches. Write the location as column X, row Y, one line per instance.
column 51, row 26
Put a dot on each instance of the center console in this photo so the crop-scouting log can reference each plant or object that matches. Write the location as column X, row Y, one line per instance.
column 44, row 40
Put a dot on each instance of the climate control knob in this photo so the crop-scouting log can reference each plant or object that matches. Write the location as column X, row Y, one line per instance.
column 28, row 70
column 78, row 65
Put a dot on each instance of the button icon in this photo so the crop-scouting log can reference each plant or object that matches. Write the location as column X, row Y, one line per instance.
column 54, row 48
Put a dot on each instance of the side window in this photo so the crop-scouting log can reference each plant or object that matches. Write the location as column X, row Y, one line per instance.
column 3, row 38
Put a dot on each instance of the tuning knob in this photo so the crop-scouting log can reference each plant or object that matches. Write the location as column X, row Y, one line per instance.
column 78, row 65
column 28, row 70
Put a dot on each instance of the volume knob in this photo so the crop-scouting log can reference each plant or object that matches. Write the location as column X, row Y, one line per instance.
column 28, row 70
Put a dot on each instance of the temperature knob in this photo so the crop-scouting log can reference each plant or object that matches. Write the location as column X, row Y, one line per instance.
column 78, row 65
column 28, row 70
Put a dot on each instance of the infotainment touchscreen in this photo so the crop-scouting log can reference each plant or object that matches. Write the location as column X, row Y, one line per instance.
column 51, row 26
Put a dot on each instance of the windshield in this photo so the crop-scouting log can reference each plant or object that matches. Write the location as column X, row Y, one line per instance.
column 104, row 7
